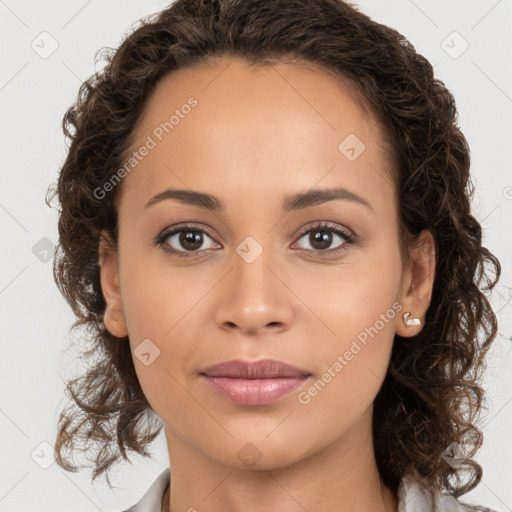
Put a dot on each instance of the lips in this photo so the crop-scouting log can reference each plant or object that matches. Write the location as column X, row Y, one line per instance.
column 254, row 383
column 263, row 369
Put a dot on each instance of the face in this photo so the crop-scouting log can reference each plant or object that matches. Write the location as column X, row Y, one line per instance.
column 316, row 282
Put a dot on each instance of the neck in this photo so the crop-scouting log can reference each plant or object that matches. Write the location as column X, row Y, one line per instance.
column 389, row 500
column 342, row 476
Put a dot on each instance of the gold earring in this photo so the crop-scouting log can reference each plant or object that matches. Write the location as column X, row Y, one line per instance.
column 410, row 321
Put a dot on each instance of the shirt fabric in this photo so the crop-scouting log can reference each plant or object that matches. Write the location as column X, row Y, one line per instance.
column 414, row 495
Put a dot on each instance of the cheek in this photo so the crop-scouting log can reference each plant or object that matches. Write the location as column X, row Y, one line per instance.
column 352, row 297
column 164, row 308
column 360, row 309
column 157, row 294
column 159, row 303
column 352, row 364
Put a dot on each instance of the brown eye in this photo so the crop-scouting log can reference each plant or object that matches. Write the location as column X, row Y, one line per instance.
column 321, row 238
column 185, row 241
column 190, row 240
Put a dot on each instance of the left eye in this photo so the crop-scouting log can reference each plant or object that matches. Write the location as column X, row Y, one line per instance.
column 321, row 237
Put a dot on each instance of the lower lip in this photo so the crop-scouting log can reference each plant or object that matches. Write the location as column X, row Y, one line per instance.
column 255, row 391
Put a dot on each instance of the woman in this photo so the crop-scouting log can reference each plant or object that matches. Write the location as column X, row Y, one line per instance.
column 265, row 226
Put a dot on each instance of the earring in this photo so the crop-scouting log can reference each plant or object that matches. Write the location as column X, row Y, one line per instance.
column 410, row 321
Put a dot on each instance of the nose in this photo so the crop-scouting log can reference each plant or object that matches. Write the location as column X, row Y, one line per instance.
column 254, row 298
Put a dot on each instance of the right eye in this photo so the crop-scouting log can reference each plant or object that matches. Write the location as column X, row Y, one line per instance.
column 189, row 237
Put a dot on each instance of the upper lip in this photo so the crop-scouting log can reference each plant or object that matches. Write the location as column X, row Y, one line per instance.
column 262, row 369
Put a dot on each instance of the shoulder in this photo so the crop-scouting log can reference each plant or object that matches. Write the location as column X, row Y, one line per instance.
column 415, row 495
column 151, row 501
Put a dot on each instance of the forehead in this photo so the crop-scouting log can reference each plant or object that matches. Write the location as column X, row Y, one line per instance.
column 258, row 129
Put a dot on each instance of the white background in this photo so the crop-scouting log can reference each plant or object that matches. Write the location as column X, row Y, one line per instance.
column 34, row 94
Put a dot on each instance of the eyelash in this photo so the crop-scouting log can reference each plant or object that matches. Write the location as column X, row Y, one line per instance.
column 160, row 240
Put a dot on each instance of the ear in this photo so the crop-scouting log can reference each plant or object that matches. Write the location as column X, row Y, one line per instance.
column 109, row 276
column 417, row 283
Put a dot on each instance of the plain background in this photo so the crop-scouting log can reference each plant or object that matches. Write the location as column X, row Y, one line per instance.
column 34, row 94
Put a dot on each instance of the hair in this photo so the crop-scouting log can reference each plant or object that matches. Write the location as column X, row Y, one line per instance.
column 431, row 396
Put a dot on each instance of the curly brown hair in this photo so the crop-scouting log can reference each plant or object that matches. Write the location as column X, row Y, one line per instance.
column 431, row 396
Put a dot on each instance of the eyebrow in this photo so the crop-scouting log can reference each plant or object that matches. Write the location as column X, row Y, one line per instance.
column 292, row 202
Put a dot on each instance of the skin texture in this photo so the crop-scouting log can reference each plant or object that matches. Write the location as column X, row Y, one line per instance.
column 256, row 136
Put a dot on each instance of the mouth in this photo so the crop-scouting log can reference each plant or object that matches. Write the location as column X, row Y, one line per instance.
column 262, row 369
column 255, row 383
